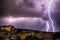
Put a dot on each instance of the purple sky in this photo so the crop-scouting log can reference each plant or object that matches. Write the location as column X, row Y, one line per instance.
column 31, row 9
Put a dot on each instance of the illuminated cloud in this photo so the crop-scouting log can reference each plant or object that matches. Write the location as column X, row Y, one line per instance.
column 32, row 13
column 33, row 23
column 15, row 19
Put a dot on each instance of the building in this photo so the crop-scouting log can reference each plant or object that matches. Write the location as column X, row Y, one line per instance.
column 9, row 32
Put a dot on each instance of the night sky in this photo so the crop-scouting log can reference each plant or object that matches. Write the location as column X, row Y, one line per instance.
column 29, row 14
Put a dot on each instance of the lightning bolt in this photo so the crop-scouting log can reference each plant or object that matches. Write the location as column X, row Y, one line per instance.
column 47, row 25
column 49, row 11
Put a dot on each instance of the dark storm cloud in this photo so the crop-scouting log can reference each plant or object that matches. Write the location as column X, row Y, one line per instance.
column 29, row 3
column 26, row 8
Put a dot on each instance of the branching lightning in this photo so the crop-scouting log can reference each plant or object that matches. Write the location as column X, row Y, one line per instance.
column 47, row 25
column 49, row 10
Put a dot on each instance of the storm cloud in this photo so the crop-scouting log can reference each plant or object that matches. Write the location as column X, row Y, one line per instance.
column 32, row 9
column 22, row 8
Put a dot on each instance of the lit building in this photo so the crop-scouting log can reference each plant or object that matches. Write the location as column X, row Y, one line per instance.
column 9, row 32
